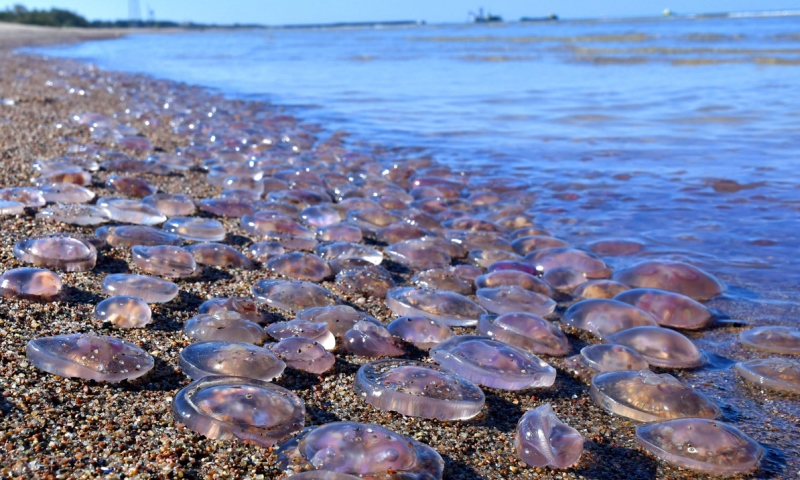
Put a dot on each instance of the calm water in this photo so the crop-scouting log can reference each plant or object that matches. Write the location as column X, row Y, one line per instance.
column 622, row 128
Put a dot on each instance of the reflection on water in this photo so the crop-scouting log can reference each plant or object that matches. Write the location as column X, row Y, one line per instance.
column 682, row 133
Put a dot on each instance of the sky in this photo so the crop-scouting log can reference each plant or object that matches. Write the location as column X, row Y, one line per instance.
column 281, row 12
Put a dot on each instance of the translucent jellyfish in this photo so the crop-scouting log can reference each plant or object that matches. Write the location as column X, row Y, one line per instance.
column 418, row 389
column 338, row 318
column 66, row 193
column 417, row 254
column 542, row 440
column 398, row 232
column 602, row 317
column 123, row 312
column 219, row 255
column 292, row 295
column 322, row 475
column 303, row 354
column 131, row 186
column 513, row 277
column 140, row 144
column 223, row 326
column 612, row 358
column 207, row 358
column 171, row 204
column 368, row 339
column 467, row 273
column 661, row 347
column 132, row 235
column 265, row 251
column 781, row 340
column 372, row 219
column 512, row 298
column 300, row 266
column 599, row 289
column 130, row 211
column 164, row 260
column 671, row 276
column 11, row 208
column 512, row 265
column 526, row 331
column 30, row 284
column 645, row 396
column 781, row 374
column 474, row 224
column 449, row 308
column 195, row 228
column 62, row 251
column 149, row 289
column 347, row 250
column 443, row 279
column 423, row 332
column 275, row 225
column 584, row 262
column 702, row 445
column 89, row 356
column 74, row 214
column 341, row 232
column 246, row 409
column 493, row 363
column 68, row 175
column 455, row 250
column 616, row 248
column 369, row 451
column 563, row 279
column 316, row 331
column 28, row 196
column 526, row 245
column 320, row 216
column 226, row 207
column 373, row 281
column 244, row 306
column 487, row 258
column 669, row 309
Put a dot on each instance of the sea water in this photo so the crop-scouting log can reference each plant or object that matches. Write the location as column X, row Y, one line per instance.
column 683, row 133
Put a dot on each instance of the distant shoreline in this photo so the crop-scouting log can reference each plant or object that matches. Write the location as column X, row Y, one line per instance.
column 15, row 35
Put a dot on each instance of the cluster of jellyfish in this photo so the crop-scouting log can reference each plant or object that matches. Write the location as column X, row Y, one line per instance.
column 471, row 278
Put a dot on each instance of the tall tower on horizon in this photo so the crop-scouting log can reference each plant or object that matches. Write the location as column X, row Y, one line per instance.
column 134, row 12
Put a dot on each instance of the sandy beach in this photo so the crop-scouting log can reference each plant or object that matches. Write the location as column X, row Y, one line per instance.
column 53, row 427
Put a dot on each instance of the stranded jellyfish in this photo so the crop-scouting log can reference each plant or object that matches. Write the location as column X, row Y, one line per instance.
column 418, row 254
column 492, row 363
column 219, row 255
column 130, row 211
column 418, row 389
column 781, row 374
column 671, row 276
column 149, row 289
column 564, row 279
column 303, row 354
column 369, row 451
column 615, row 248
column 542, row 440
column 514, row 277
column 602, row 317
column 781, row 340
column 526, row 245
column 244, row 306
column 443, row 279
column 292, row 295
column 346, row 250
column 123, row 312
column 669, row 309
column 164, row 260
column 300, row 266
column 66, row 193
column 195, row 228
column 341, row 232
column 488, row 258
column 338, row 318
column 612, row 358
column 171, row 204
column 89, row 356
column 247, row 409
column 599, row 289
column 661, row 347
column 265, row 251
column 315, row 331
column 449, row 308
column 422, row 332
column 74, row 214
column 30, row 284
column 645, row 396
column 223, row 325
column 371, row 339
column 707, row 446
column 511, row 298
column 65, row 252
column 578, row 260
column 230, row 358
column 372, row 280
column 132, row 235
column 527, row 331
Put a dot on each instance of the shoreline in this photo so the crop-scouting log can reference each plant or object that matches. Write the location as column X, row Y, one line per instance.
column 15, row 35
column 128, row 427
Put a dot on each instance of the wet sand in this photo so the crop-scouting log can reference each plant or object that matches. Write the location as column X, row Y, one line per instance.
column 52, row 427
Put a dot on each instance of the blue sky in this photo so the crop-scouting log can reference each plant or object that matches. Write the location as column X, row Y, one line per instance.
column 275, row 12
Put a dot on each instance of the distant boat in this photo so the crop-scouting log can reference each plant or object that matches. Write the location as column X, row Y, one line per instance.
column 550, row 18
column 480, row 17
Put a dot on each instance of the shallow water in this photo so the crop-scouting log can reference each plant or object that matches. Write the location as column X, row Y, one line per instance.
column 623, row 128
